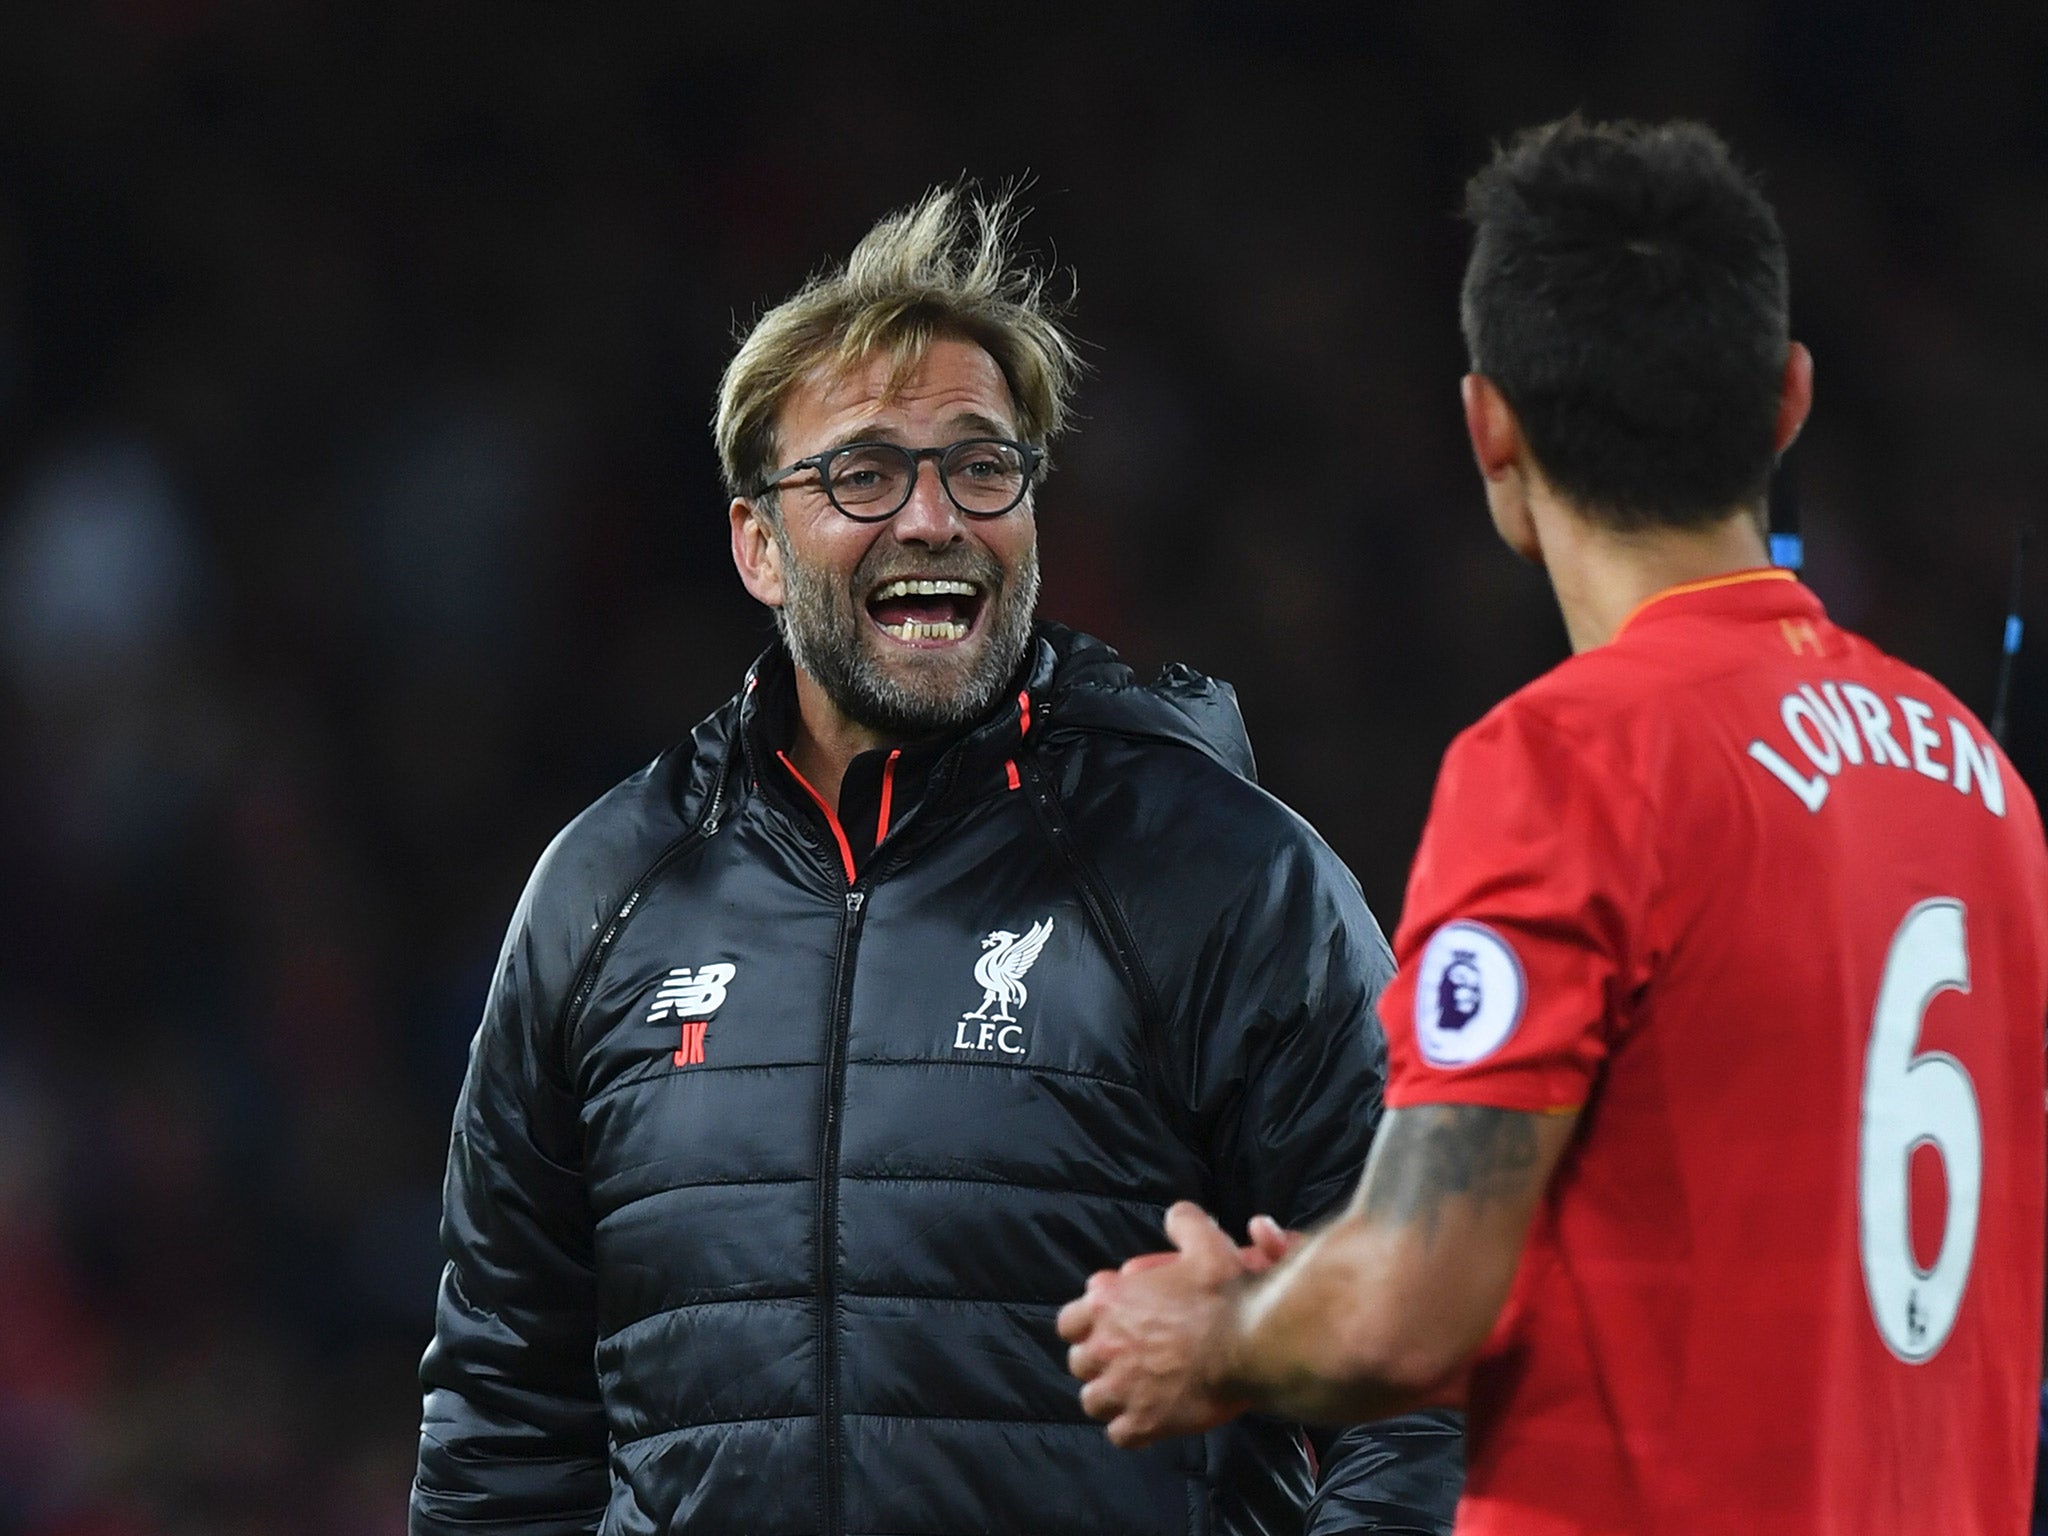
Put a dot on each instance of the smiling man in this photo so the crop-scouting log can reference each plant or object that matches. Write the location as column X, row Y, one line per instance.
column 828, row 1054
column 907, row 606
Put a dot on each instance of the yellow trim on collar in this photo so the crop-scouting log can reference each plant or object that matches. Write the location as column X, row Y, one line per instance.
column 1705, row 584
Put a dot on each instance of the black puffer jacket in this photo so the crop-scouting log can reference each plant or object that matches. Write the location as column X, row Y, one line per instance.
column 766, row 1185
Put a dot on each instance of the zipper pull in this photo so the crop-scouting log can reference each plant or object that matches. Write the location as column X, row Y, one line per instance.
column 854, row 900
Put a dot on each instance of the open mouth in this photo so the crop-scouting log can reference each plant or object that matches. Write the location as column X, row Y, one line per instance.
column 920, row 611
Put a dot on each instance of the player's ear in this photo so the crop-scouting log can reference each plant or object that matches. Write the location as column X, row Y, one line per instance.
column 1795, row 396
column 1504, row 464
column 1490, row 423
column 756, row 552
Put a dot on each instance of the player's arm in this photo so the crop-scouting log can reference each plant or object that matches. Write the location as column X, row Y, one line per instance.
column 1383, row 1310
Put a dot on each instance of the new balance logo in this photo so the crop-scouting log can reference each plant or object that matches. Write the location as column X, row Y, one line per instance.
column 692, row 997
column 685, row 995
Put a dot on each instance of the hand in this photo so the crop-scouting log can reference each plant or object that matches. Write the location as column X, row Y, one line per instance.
column 1146, row 1339
column 1270, row 1243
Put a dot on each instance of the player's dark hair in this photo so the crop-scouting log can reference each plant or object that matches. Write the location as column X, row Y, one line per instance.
column 1627, row 294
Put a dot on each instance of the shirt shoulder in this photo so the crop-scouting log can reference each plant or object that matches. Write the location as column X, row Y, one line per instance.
column 1575, row 731
column 1525, row 925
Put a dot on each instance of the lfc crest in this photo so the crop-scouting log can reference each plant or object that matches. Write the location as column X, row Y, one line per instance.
column 1006, row 958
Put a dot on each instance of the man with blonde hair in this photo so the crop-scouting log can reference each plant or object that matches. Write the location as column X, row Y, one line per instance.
column 829, row 1053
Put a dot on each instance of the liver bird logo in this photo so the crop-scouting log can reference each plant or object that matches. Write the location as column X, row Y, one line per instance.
column 1001, row 970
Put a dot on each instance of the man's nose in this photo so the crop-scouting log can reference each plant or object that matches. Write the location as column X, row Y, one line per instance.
column 929, row 517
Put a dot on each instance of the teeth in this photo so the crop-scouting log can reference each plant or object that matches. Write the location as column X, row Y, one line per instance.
column 939, row 631
column 924, row 589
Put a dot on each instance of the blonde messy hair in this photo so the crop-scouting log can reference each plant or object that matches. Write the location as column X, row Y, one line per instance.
column 941, row 268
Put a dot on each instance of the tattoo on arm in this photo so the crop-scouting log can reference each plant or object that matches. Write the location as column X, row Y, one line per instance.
column 1434, row 1151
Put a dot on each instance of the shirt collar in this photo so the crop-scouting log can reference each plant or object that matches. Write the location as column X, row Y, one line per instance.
column 1761, row 591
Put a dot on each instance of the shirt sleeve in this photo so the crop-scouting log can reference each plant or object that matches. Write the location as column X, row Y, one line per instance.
column 1520, row 936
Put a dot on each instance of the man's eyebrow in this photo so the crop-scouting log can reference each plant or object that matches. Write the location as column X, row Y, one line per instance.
column 877, row 433
column 966, row 425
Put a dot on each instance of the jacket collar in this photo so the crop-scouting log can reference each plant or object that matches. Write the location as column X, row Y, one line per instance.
column 923, row 778
column 1069, row 683
column 767, row 710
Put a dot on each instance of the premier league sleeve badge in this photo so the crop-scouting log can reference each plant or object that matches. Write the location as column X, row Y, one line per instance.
column 1469, row 992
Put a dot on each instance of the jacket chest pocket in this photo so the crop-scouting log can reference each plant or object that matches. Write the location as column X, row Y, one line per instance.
column 1008, row 980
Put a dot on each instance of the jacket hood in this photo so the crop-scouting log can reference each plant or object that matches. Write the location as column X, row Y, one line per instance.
column 1074, row 681
column 1093, row 689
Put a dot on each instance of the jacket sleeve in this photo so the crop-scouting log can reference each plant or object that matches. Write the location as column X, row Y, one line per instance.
column 1399, row 1477
column 512, row 1436
column 1288, row 1096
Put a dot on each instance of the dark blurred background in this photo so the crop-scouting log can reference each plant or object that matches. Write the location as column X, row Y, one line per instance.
column 359, row 524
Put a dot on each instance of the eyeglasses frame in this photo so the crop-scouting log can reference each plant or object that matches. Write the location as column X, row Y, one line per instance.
column 1032, row 456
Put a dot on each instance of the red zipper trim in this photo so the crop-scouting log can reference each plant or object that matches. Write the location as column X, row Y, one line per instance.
column 1010, row 767
column 832, row 821
column 888, row 789
column 1024, row 713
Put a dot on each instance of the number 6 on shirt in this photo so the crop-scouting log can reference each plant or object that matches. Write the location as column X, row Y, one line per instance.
column 1909, row 1100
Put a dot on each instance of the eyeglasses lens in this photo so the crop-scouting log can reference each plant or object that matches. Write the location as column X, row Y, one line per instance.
column 984, row 476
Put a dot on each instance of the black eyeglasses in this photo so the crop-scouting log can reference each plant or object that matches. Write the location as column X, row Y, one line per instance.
column 870, row 482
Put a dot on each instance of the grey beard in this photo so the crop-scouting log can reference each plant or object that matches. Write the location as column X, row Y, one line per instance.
column 826, row 634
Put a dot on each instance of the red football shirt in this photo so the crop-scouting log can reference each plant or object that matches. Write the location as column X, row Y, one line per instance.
column 1770, row 910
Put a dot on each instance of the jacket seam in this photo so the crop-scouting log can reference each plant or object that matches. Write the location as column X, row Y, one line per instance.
column 809, row 1296
column 1137, row 1086
column 660, row 1074
column 442, row 1516
column 584, row 984
column 908, row 1418
column 1108, row 914
column 657, row 1072
column 1063, row 1191
column 674, row 1189
column 957, row 1301
column 613, row 1340
column 623, row 1329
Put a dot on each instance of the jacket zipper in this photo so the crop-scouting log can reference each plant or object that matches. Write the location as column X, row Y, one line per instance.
column 828, row 1213
column 717, row 801
column 593, row 965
